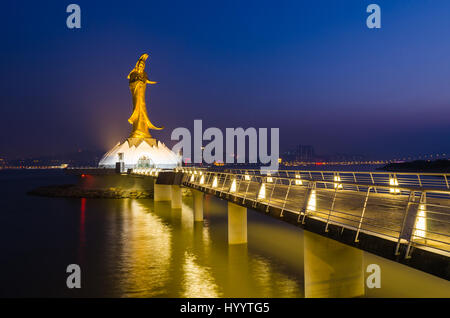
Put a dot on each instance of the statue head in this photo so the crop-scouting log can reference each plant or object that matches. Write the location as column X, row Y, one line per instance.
column 140, row 65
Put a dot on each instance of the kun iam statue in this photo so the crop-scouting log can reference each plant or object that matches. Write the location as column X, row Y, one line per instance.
column 140, row 150
column 138, row 80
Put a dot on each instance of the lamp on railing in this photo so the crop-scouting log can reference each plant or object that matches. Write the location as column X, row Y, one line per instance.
column 202, row 179
column 247, row 177
column 192, row 178
column 337, row 178
column 298, row 181
column 421, row 221
column 269, row 178
column 233, row 186
column 262, row 192
column 214, row 184
column 394, row 183
column 312, row 201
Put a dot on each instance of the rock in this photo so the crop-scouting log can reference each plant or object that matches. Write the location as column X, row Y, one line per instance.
column 73, row 191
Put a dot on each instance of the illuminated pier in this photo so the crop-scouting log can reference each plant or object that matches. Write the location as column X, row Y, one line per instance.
column 400, row 216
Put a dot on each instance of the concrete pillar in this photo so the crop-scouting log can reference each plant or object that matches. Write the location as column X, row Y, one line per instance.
column 176, row 197
column 198, row 205
column 162, row 192
column 237, row 224
column 331, row 268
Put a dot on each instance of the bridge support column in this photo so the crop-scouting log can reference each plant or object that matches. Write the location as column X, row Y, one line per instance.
column 237, row 224
column 176, row 196
column 198, row 205
column 162, row 192
column 331, row 269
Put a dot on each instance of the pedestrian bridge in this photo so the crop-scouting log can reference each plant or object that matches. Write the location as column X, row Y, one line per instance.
column 401, row 216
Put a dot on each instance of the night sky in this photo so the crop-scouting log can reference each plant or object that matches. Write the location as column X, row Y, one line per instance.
column 311, row 68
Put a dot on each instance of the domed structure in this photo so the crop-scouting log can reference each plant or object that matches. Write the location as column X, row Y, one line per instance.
column 141, row 153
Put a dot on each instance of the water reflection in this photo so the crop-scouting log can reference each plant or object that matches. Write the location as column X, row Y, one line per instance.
column 145, row 242
column 332, row 269
column 147, row 249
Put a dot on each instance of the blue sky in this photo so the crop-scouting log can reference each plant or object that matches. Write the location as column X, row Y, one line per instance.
column 311, row 68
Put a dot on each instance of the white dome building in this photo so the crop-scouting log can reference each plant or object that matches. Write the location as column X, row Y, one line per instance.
column 141, row 153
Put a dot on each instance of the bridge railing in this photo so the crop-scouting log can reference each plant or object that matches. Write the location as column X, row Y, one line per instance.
column 410, row 215
column 437, row 181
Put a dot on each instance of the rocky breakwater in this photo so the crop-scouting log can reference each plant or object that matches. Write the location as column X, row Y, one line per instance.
column 74, row 191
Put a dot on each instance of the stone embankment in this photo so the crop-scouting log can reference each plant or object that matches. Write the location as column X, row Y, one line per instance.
column 73, row 191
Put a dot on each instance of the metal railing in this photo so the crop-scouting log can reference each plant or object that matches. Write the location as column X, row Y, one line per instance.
column 412, row 209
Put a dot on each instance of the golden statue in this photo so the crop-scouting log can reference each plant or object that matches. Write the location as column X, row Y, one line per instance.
column 138, row 80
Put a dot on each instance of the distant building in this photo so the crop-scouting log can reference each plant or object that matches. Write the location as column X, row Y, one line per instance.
column 305, row 153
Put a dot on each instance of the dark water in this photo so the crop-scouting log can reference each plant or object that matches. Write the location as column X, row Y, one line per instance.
column 137, row 248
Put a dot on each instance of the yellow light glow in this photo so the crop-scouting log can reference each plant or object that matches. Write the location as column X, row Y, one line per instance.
column 337, row 185
column 233, row 186
column 262, row 192
column 214, row 184
column 247, row 177
column 192, row 178
column 312, row 201
column 421, row 222
column 202, row 180
column 393, row 182
column 298, row 181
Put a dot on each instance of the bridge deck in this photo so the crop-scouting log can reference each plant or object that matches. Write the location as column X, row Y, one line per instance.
column 378, row 209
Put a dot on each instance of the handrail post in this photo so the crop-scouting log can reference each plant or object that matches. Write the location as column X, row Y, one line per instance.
column 411, row 199
column 362, row 214
column 285, row 198
column 246, row 190
column 331, row 209
column 354, row 178
column 311, row 188
column 271, row 193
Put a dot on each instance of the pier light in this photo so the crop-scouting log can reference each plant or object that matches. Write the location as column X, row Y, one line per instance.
column 393, row 182
column 421, row 222
column 201, row 173
column 312, row 202
column 247, row 177
column 269, row 178
column 192, row 178
column 202, row 179
column 337, row 185
column 195, row 171
column 262, row 192
column 298, row 181
column 214, row 184
column 233, row 186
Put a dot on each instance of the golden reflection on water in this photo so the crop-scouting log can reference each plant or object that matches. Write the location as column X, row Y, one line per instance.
column 145, row 256
column 198, row 281
column 161, row 252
